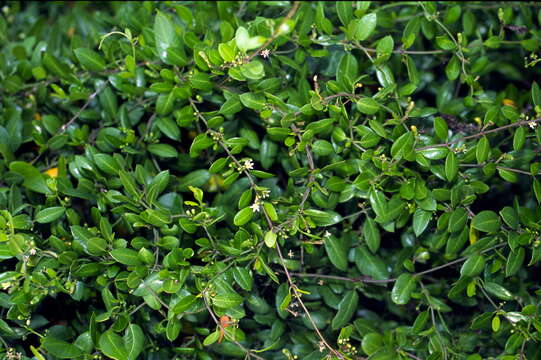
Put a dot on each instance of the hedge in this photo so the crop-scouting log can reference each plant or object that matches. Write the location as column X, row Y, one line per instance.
column 270, row 180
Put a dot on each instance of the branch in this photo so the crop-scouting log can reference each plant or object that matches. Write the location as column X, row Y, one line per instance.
column 479, row 134
column 248, row 352
column 368, row 280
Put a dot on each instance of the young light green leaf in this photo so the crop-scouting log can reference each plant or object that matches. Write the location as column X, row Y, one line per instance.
column 243, row 216
column 270, row 239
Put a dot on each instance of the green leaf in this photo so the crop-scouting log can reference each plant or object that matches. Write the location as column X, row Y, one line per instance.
column 457, row 220
column 384, row 48
column 347, row 71
column 164, row 103
column 445, row 43
column 61, row 349
column 367, row 106
column 270, row 239
column 96, row 246
column 473, row 266
column 536, row 94
column 323, row 218
column 482, row 149
column 169, row 128
column 515, row 259
column 227, row 52
column 134, row 340
column 371, row 343
column 112, row 345
column 90, row 59
column 164, row 34
column 486, row 221
column 243, row 216
column 211, row 338
column 498, row 291
column 106, row 163
column 253, row 70
column 361, row 29
column 440, row 128
column 403, row 287
column 510, row 217
column 184, row 304
column 346, row 308
column 337, row 252
column 519, row 138
column 451, row 166
column 163, row 150
column 231, row 106
column 252, row 101
column 50, row 214
column 421, row 219
column 227, row 300
column 196, row 178
column 243, row 277
column 246, row 42
column 370, row 265
column 33, row 179
column 452, row 70
column 344, row 9
column 125, row 256
column 402, row 146
column 128, row 183
column 371, row 234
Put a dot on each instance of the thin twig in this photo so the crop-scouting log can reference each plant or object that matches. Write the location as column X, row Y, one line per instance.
column 76, row 116
column 518, row 171
column 213, row 316
column 479, row 134
column 368, row 280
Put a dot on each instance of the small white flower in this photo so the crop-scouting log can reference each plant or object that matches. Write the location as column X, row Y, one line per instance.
column 290, row 253
column 248, row 164
column 532, row 124
column 32, row 251
column 265, row 53
column 255, row 207
column 326, row 234
column 265, row 193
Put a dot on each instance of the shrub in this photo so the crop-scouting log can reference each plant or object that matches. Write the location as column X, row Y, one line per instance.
column 270, row 180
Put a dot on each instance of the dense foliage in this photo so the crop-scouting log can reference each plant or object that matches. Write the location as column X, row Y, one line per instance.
column 270, row 180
